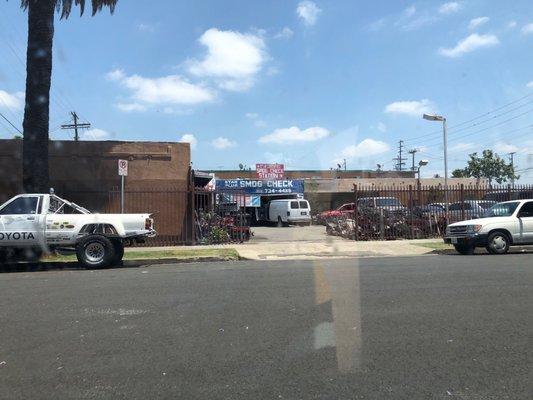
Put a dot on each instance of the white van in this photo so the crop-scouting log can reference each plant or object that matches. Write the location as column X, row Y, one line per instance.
column 289, row 211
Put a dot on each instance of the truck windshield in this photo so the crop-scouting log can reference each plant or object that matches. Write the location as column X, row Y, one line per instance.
column 388, row 202
column 501, row 210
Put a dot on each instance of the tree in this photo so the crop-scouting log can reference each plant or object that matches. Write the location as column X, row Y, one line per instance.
column 38, row 79
column 489, row 166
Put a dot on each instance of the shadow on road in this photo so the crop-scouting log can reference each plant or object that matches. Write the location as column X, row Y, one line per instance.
column 74, row 266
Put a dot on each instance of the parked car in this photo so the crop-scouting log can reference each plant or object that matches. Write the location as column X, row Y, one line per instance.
column 381, row 203
column 289, row 211
column 472, row 209
column 507, row 195
column 503, row 225
column 429, row 210
column 346, row 210
column 441, row 205
column 31, row 224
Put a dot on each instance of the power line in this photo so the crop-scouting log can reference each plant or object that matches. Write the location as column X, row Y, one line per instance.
column 477, row 117
column 484, row 129
column 10, row 123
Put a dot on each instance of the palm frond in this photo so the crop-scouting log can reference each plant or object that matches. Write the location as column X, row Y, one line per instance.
column 65, row 6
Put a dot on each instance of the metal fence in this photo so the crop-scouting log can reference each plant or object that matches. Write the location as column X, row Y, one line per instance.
column 224, row 219
column 415, row 211
column 181, row 217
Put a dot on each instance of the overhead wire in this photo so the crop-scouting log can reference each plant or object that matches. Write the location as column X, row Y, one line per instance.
column 452, row 127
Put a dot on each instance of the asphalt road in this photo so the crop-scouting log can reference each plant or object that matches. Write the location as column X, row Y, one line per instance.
column 433, row 327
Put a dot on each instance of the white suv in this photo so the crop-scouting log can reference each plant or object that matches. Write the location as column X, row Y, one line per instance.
column 504, row 224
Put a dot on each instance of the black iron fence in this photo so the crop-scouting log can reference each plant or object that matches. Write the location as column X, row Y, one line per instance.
column 181, row 217
column 414, row 211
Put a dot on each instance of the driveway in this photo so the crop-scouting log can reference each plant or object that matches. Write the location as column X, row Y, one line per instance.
column 314, row 233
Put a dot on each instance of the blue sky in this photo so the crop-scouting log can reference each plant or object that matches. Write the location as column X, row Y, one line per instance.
column 305, row 83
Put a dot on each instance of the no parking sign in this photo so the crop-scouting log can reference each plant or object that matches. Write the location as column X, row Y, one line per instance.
column 123, row 167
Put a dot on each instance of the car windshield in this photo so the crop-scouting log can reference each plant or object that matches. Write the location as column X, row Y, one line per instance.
column 501, row 210
column 486, row 204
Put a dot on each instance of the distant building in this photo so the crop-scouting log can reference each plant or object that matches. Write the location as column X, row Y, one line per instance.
column 318, row 174
column 92, row 165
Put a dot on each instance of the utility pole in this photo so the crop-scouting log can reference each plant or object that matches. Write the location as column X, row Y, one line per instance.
column 400, row 160
column 342, row 165
column 76, row 125
column 413, row 152
column 511, row 157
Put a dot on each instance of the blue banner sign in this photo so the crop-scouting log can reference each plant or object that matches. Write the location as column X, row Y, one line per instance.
column 251, row 186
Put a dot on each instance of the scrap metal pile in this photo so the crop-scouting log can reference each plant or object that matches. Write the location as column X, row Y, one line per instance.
column 212, row 228
column 379, row 224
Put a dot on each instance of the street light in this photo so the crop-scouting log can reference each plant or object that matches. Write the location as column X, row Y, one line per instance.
column 421, row 163
column 440, row 118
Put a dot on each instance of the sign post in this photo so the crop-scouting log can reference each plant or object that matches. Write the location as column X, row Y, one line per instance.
column 123, row 172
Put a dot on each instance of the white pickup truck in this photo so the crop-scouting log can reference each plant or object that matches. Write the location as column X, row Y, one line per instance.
column 33, row 224
column 503, row 225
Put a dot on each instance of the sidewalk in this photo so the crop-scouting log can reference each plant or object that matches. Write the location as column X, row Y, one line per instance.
column 313, row 250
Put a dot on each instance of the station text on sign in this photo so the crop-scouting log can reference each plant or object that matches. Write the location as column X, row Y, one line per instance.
column 270, row 171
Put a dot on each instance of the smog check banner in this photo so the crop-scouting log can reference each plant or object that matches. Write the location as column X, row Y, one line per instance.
column 261, row 186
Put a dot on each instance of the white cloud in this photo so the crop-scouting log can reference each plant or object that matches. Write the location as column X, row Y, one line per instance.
column 11, row 101
column 410, row 19
column 450, row 7
column 512, row 24
column 295, row 135
column 285, row 33
column 527, row 29
column 129, row 107
column 272, row 70
column 233, row 58
column 477, row 22
column 469, row 44
column 502, row 147
column 530, row 85
column 115, row 75
column 222, row 143
column 409, row 11
column 189, row 138
column 377, row 25
column 95, row 134
column 413, row 108
column 258, row 122
column 143, row 27
column 366, row 148
column 461, row 147
column 171, row 89
column 308, row 12
column 382, row 127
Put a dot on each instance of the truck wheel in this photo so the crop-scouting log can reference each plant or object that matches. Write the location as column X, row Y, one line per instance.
column 498, row 243
column 119, row 251
column 95, row 251
column 463, row 249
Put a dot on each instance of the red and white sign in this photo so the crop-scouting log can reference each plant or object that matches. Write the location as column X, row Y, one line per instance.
column 123, row 167
column 270, row 171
